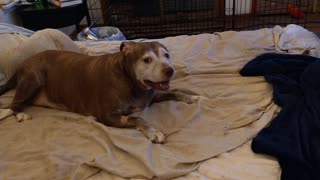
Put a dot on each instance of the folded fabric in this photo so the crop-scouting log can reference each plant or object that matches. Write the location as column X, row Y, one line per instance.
column 295, row 39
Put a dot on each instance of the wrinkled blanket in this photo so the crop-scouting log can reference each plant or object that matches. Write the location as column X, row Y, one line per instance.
column 232, row 109
column 294, row 135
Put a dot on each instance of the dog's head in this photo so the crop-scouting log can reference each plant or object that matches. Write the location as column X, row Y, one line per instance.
column 151, row 63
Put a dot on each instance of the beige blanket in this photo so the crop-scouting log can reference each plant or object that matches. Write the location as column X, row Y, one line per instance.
column 231, row 110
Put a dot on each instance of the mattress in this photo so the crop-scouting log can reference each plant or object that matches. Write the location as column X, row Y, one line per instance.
column 209, row 139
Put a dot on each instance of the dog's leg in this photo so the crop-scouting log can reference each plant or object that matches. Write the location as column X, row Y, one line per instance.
column 176, row 96
column 27, row 88
column 140, row 124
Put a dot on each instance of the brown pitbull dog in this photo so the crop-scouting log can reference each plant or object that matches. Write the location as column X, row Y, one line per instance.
column 108, row 87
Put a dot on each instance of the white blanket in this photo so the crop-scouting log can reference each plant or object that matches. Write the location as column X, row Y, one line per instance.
column 294, row 39
column 230, row 112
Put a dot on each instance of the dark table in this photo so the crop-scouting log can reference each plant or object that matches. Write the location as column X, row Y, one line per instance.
column 36, row 17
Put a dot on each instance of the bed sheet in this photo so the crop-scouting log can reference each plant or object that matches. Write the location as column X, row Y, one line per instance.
column 207, row 140
column 240, row 163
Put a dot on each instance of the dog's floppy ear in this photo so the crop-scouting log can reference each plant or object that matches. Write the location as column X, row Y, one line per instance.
column 127, row 46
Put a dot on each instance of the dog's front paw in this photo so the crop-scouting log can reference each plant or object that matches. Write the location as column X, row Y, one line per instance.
column 155, row 136
column 22, row 116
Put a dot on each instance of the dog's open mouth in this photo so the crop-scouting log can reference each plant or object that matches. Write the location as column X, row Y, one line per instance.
column 162, row 86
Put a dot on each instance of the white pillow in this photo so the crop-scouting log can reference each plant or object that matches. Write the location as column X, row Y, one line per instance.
column 8, row 42
column 18, row 48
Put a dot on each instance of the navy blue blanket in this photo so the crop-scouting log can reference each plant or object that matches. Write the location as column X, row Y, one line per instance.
column 293, row 137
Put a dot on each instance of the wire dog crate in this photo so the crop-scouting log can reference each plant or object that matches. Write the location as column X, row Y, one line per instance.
column 160, row 18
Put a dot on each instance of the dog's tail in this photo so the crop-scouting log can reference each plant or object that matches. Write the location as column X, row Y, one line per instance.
column 9, row 85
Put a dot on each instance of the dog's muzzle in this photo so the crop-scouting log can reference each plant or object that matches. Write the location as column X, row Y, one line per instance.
column 168, row 73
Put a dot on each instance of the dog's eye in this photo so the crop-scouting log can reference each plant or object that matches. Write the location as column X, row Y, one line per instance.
column 147, row 60
column 167, row 55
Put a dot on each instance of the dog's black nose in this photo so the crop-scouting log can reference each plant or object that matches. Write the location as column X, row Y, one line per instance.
column 169, row 72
